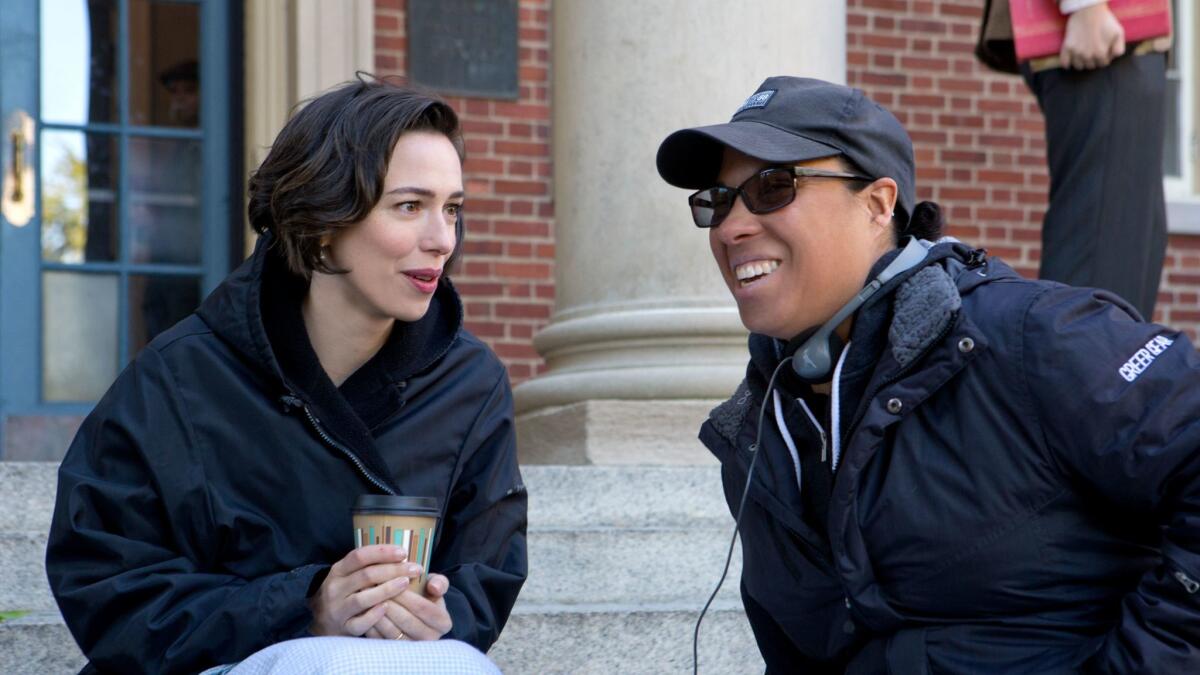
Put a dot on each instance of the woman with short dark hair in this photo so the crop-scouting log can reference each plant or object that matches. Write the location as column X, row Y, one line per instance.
column 203, row 510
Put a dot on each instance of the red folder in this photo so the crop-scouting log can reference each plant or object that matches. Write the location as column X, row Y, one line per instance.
column 1038, row 25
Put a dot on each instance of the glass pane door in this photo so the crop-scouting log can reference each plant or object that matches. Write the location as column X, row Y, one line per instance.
column 130, row 201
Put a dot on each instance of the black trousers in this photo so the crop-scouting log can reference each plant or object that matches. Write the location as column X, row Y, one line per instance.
column 1106, row 225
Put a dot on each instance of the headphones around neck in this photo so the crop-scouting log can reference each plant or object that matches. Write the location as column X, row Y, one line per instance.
column 813, row 361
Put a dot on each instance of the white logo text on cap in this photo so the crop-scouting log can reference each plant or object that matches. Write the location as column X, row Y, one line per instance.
column 758, row 100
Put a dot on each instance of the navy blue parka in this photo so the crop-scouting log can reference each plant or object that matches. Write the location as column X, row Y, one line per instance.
column 207, row 493
column 1017, row 486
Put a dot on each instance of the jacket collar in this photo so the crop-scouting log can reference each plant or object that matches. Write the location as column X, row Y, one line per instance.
column 907, row 314
column 236, row 313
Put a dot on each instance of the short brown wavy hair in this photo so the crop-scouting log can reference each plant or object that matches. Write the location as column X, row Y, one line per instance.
column 326, row 168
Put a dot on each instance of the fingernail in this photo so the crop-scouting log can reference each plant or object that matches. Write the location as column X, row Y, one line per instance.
column 399, row 552
column 412, row 569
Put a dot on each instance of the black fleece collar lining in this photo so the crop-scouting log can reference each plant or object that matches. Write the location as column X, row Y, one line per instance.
column 257, row 310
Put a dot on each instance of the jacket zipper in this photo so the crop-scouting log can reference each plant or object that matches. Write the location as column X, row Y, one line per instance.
column 293, row 401
column 820, row 430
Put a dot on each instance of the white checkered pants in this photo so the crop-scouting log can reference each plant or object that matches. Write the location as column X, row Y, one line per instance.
column 362, row 656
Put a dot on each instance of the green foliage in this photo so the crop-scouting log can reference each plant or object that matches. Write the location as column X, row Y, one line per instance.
column 5, row 616
column 64, row 200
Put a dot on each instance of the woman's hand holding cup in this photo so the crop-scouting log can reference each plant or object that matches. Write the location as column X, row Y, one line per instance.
column 411, row 616
column 355, row 593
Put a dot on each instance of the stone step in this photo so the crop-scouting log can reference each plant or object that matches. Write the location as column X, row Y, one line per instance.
column 602, row 565
column 560, row 496
column 629, row 566
column 23, row 584
column 27, row 495
column 38, row 644
column 649, row 640
column 542, row 640
column 625, row 496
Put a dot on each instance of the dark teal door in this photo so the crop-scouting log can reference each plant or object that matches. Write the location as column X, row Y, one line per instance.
column 116, row 210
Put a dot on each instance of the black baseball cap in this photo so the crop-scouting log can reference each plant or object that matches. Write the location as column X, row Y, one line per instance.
column 794, row 119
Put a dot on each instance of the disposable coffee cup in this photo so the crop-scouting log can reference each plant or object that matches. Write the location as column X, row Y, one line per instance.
column 407, row 522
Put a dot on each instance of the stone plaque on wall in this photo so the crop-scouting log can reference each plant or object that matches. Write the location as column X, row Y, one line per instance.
column 466, row 47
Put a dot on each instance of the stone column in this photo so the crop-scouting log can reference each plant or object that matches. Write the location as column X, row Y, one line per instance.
column 294, row 49
column 645, row 338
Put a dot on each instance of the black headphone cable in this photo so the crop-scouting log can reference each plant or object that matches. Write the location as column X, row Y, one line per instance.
column 737, row 521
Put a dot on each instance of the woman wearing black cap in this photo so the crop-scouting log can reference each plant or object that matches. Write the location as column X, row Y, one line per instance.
column 949, row 468
column 203, row 515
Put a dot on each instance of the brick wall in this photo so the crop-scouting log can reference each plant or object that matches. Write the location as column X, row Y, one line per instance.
column 507, row 277
column 978, row 135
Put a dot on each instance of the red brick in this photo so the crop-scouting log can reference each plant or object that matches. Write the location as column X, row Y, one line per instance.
column 1002, row 140
column 512, row 310
column 518, row 372
column 963, row 193
column 532, row 34
column 925, row 64
column 963, row 156
column 484, row 328
column 527, row 270
column 1181, row 278
column 520, row 168
column 525, row 73
column 885, row 79
column 989, row 104
column 484, row 165
column 520, row 187
column 992, row 176
column 478, row 247
column 922, row 101
column 923, row 26
column 520, row 207
column 972, row 11
column 891, row 5
column 517, row 291
column 474, row 126
column 521, row 228
column 522, row 148
column 989, row 214
column 884, row 41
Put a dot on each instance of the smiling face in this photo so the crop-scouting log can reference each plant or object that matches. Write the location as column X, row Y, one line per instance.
column 395, row 256
column 792, row 269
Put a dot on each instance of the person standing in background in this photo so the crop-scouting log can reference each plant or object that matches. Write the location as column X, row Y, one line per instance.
column 1106, row 223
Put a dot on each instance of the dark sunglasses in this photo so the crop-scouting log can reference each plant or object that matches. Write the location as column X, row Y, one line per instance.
column 766, row 191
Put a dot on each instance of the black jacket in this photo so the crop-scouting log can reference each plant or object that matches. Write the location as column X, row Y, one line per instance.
column 1018, row 488
column 207, row 493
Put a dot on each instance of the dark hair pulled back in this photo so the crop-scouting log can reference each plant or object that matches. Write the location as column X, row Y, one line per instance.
column 925, row 223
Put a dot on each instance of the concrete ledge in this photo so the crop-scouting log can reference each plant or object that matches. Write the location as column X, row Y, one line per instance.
column 625, row 496
column 606, row 640
column 632, row 567
column 23, row 583
column 616, row 432
column 27, row 495
column 38, row 644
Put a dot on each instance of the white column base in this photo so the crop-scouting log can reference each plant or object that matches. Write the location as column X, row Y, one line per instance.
column 613, row 432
